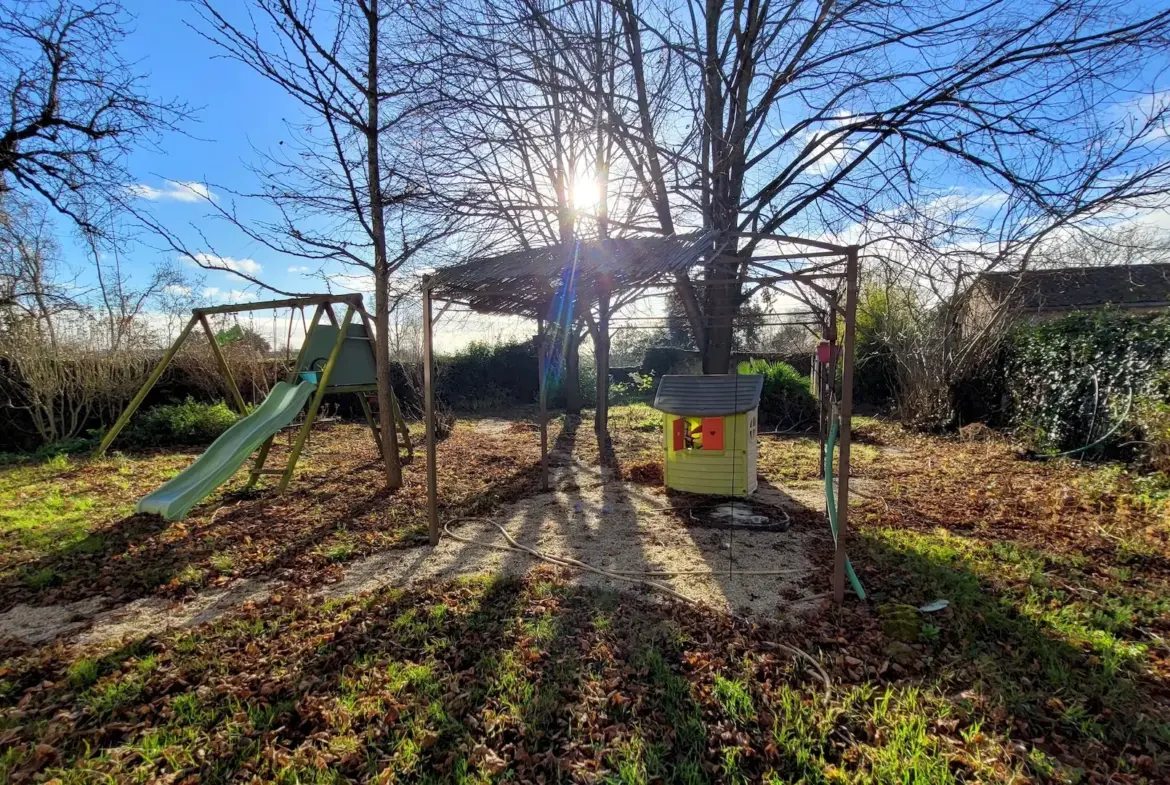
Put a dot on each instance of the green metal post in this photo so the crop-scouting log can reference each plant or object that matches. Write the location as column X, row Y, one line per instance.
column 223, row 367
column 151, row 380
column 315, row 404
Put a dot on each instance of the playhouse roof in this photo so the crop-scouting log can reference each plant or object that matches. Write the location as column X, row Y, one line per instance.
column 708, row 396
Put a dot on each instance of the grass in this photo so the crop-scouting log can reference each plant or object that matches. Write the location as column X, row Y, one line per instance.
column 67, row 528
column 1049, row 663
column 357, row 689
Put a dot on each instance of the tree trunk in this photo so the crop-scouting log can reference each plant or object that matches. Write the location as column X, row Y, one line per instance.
column 573, row 371
column 386, row 422
column 720, row 313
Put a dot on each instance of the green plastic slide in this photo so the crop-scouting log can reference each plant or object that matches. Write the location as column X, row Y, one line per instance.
column 226, row 454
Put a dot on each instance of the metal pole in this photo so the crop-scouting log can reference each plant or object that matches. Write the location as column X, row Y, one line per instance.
column 146, row 387
column 429, row 413
column 846, row 425
column 541, row 356
column 311, row 413
column 221, row 361
column 602, row 360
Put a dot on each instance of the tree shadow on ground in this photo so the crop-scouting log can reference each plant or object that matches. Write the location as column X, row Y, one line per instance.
column 440, row 684
column 336, row 507
column 474, row 678
column 1075, row 684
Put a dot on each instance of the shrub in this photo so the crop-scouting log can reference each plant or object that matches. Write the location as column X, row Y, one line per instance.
column 484, row 376
column 1069, row 380
column 786, row 401
column 1152, row 416
column 189, row 422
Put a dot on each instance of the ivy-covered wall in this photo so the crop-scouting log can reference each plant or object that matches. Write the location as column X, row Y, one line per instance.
column 1068, row 381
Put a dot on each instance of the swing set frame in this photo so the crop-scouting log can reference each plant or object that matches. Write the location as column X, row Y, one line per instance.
column 323, row 307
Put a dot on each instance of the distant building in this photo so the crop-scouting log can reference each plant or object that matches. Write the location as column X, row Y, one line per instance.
column 1050, row 294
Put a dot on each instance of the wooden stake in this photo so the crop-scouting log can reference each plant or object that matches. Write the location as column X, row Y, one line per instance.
column 839, row 555
column 315, row 404
column 136, row 401
column 221, row 361
column 429, row 413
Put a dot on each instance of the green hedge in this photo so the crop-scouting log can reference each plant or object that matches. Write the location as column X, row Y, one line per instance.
column 786, row 401
column 188, row 423
column 1067, row 381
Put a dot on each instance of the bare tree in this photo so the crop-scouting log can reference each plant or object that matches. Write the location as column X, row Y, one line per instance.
column 346, row 186
column 32, row 283
column 527, row 162
column 73, row 108
column 813, row 117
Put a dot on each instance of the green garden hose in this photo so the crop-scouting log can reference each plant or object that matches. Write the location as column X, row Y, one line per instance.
column 1116, row 426
column 831, row 503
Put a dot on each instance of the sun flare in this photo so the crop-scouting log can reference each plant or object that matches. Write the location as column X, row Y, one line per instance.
column 586, row 193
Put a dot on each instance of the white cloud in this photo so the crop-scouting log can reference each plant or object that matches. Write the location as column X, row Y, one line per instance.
column 245, row 266
column 173, row 190
column 181, row 291
column 234, row 296
column 301, row 269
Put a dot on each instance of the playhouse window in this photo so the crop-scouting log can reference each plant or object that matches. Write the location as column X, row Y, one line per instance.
column 698, row 433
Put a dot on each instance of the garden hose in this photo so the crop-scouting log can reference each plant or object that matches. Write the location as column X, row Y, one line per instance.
column 831, row 503
column 1120, row 421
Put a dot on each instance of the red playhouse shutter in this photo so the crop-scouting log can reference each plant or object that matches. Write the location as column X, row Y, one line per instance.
column 712, row 433
column 680, row 434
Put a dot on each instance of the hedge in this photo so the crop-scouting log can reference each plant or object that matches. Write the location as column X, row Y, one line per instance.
column 1067, row 381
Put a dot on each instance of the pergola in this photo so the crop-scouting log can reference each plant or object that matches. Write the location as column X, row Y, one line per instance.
column 542, row 283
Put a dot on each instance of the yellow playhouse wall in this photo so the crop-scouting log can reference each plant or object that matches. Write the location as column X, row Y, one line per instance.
column 726, row 472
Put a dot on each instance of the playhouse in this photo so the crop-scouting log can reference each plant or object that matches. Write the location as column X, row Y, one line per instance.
column 709, row 432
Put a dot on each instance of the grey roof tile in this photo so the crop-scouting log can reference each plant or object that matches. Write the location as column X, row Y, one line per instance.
column 708, row 396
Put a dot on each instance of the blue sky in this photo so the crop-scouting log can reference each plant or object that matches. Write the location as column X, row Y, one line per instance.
column 236, row 112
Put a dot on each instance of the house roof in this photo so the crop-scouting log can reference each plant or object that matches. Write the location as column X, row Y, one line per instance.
column 1071, row 288
column 708, row 396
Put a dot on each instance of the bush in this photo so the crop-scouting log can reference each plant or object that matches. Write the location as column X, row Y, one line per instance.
column 187, row 423
column 1152, row 416
column 483, row 376
column 786, row 401
column 1069, row 380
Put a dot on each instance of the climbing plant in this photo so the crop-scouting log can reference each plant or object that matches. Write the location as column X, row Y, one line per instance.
column 1068, row 381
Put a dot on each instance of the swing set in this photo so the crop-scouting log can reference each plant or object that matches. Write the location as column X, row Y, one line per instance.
column 333, row 358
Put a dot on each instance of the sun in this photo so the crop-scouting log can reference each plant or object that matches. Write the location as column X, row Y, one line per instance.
column 586, row 193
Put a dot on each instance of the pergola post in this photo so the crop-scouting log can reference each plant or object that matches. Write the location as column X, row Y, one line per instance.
column 146, row 387
column 846, row 415
column 602, row 359
column 541, row 358
column 429, row 411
